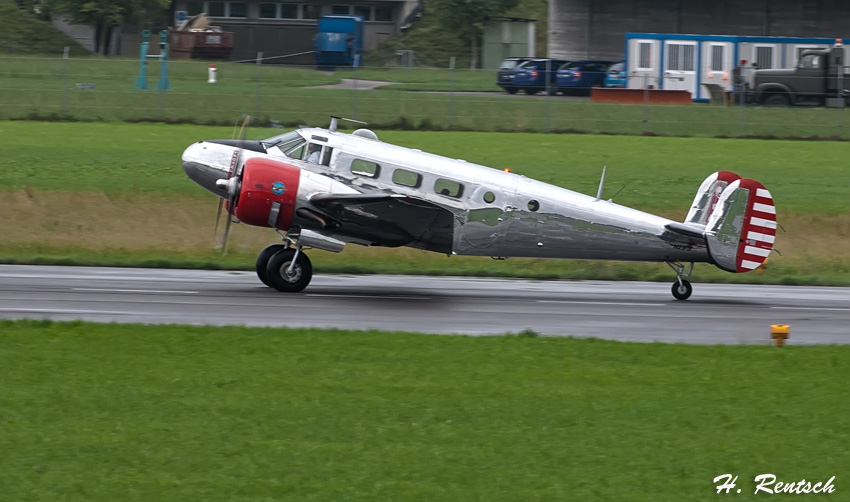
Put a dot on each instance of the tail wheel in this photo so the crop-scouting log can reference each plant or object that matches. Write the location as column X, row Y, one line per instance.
column 286, row 278
column 682, row 289
column 263, row 262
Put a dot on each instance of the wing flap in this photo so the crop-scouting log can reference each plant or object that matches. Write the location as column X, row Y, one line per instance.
column 389, row 220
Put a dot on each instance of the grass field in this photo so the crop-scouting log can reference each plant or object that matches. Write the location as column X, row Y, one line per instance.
column 109, row 412
column 114, row 194
column 46, row 88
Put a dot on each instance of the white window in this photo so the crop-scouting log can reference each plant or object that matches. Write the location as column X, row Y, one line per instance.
column 644, row 55
column 763, row 56
column 681, row 57
column 717, row 55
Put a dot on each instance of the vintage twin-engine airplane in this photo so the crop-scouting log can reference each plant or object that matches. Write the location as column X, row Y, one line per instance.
column 325, row 189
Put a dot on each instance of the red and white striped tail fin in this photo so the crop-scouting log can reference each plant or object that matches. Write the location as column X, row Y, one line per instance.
column 741, row 230
column 708, row 195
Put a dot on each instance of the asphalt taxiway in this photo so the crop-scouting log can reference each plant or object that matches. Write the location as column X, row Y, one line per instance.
column 632, row 311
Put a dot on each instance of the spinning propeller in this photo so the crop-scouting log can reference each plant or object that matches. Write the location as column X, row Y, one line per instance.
column 232, row 184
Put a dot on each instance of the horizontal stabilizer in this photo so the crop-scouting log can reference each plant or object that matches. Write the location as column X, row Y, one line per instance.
column 741, row 229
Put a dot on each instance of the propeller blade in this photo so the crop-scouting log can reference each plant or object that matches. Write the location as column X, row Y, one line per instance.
column 218, row 217
column 226, row 233
column 234, row 185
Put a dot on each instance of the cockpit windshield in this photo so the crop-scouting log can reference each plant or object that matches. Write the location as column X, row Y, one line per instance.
column 290, row 144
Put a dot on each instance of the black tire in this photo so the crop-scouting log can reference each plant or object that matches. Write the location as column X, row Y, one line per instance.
column 553, row 91
column 511, row 90
column 776, row 100
column 263, row 261
column 276, row 271
column 682, row 291
column 531, row 91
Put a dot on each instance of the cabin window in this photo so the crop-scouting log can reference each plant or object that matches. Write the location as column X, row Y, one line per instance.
column 268, row 10
column 289, row 11
column 310, row 11
column 644, row 55
column 365, row 168
column 407, row 178
column 680, row 57
column 237, row 9
column 364, row 11
column 489, row 197
column 383, row 13
column 533, row 205
column 215, row 9
column 764, row 57
column 717, row 53
column 448, row 188
column 194, row 8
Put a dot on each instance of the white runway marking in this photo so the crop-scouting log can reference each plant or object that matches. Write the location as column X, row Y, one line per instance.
column 812, row 308
column 603, row 303
column 327, row 295
column 108, row 290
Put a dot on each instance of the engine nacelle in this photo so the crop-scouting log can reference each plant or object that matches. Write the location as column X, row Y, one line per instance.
column 268, row 194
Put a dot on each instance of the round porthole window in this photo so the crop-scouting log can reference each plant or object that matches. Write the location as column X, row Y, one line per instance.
column 489, row 197
column 533, row 205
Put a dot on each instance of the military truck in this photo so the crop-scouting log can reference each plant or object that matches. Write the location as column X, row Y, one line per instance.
column 820, row 79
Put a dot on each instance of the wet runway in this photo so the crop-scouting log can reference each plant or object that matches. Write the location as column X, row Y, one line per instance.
column 634, row 311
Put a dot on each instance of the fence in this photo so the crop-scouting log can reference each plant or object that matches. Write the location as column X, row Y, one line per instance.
column 425, row 98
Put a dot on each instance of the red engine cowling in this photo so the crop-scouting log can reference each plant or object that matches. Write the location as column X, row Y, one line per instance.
column 268, row 186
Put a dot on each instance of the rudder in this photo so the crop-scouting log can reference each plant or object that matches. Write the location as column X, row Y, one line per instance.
column 741, row 229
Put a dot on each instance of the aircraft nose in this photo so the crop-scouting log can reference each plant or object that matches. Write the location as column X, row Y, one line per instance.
column 200, row 168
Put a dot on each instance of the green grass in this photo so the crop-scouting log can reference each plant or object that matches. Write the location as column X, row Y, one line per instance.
column 113, row 412
column 659, row 174
column 45, row 88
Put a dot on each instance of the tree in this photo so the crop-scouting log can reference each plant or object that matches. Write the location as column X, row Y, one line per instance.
column 467, row 17
column 104, row 15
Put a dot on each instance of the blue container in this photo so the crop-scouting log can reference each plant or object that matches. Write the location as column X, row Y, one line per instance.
column 339, row 40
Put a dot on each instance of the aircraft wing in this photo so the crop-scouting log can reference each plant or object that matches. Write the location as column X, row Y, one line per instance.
column 388, row 220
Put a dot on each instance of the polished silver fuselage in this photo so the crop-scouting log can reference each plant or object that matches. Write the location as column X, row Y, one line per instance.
column 499, row 214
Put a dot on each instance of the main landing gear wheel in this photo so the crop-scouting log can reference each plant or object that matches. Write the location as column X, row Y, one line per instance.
column 286, row 277
column 682, row 289
column 263, row 262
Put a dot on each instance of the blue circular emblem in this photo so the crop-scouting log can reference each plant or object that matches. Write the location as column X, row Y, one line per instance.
column 278, row 187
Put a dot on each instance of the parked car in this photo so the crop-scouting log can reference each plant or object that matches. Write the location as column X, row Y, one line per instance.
column 532, row 76
column 580, row 76
column 505, row 74
column 616, row 76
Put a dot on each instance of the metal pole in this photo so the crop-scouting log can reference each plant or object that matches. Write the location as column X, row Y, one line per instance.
column 548, row 122
column 65, row 80
column 259, row 79
column 645, row 103
column 742, row 95
column 354, row 91
column 841, row 98
column 451, row 91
